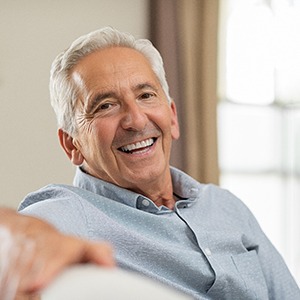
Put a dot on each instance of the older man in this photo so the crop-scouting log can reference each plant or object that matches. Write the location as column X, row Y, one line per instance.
column 116, row 123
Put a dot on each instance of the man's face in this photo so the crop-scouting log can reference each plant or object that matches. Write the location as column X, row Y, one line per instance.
column 125, row 124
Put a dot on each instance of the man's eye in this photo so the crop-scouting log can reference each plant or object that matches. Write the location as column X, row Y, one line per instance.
column 105, row 106
column 146, row 96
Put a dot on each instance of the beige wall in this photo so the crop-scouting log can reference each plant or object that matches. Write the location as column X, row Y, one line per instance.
column 32, row 32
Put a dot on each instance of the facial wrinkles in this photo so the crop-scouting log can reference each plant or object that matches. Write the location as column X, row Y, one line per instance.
column 84, row 120
column 84, row 115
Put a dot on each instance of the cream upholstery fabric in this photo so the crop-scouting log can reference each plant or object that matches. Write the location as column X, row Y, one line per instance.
column 90, row 282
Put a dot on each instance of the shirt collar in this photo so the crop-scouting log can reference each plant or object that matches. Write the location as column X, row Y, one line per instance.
column 185, row 189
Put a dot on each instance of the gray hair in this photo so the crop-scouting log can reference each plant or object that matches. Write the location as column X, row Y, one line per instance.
column 63, row 91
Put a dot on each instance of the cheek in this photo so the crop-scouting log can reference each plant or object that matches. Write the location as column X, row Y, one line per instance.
column 102, row 133
column 164, row 121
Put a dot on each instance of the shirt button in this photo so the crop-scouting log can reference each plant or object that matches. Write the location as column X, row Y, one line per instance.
column 207, row 251
column 194, row 192
column 145, row 202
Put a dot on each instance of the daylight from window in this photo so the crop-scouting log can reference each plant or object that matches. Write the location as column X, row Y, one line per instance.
column 259, row 115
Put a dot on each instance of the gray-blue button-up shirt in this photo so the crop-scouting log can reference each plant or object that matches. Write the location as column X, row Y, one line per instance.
column 210, row 246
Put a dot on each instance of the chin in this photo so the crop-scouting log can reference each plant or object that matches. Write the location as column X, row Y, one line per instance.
column 147, row 175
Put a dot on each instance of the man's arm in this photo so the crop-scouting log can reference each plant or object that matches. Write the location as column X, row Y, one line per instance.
column 32, row 252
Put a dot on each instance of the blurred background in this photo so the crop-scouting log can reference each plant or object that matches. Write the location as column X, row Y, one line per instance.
column 234, row 71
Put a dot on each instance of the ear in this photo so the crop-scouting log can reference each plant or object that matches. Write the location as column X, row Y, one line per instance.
column 174, row 122
column 72, row 151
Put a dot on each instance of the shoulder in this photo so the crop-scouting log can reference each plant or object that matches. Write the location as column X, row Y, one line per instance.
column 53, row 193
column 61, row 205
column 224, row 205
column 210, row 197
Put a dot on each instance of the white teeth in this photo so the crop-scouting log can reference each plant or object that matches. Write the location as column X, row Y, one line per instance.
column 138, row 145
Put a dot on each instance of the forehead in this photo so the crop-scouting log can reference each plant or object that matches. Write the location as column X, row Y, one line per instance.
column 111, row 64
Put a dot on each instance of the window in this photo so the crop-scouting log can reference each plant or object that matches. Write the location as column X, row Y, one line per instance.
column 259, row 115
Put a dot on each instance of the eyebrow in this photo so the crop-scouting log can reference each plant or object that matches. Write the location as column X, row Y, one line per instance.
column 146, row 85
column 98, row 98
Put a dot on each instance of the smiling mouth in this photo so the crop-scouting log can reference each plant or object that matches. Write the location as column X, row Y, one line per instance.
column 139, row 146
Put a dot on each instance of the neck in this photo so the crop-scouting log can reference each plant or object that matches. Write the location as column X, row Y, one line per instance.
column 160, row 192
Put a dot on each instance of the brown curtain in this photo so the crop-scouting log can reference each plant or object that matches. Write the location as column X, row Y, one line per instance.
column 185, row 32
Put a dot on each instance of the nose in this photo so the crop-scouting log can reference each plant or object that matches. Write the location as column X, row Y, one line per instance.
column 134, row 118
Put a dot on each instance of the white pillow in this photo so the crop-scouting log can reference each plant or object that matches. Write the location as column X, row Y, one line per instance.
column 90, row 282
